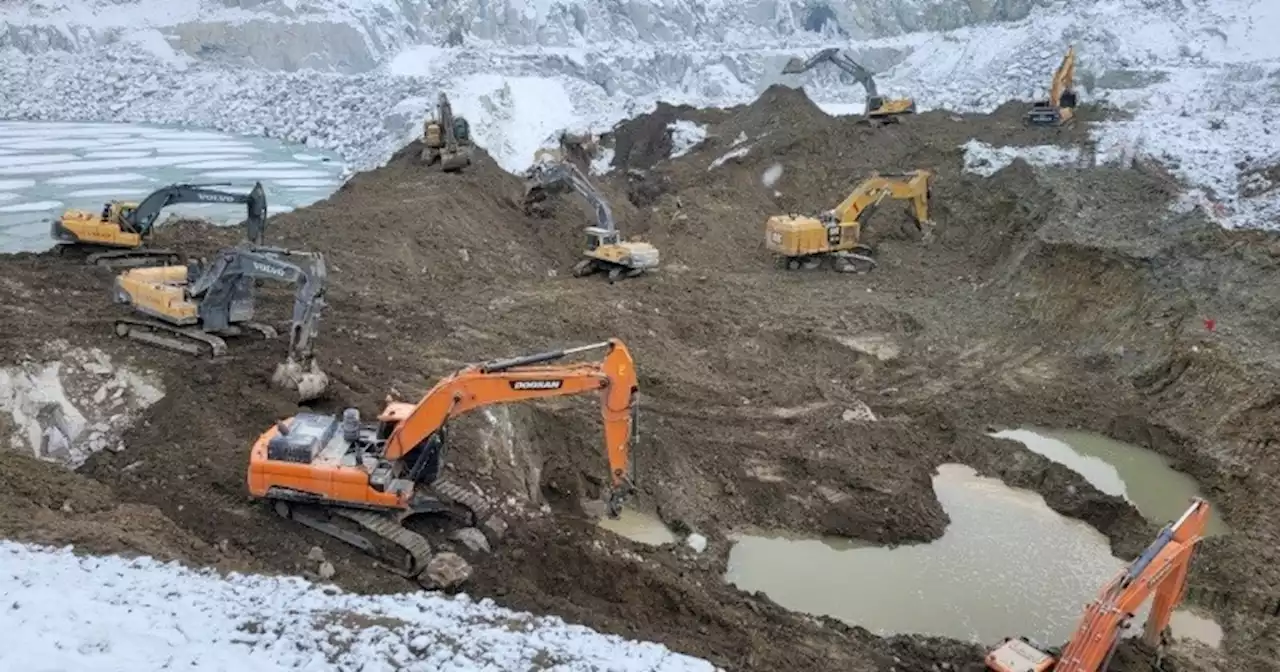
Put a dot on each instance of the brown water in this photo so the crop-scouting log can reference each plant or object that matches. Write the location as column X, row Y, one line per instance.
column 644, row 528
column 1006, row 565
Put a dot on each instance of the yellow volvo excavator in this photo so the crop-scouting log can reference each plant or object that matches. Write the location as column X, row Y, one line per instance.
column 446, row 139
column 879, row 109
column 1059, row 109
column 125, row 226
column 606, row 251
column 801, row 241
column 360, row 481
column 191, row 309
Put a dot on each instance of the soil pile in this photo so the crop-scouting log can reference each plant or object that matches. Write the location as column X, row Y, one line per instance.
column 1067, row 297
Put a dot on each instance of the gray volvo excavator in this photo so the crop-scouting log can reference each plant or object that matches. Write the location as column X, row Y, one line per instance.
column 192, row 308
column 878, row 109
column 125, row 226
column 606, row 251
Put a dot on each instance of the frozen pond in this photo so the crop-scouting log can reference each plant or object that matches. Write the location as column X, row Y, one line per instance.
column 47, row 167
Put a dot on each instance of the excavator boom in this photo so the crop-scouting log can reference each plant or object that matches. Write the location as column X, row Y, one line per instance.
column 1159, row 574
column 323, row 470
column 446, row 139
column 1059, row 109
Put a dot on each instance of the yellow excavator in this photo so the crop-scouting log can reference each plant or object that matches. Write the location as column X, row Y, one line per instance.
column 123, row 227
column 606, row 251
column 802, row 241
column 446, row 139
column 1059, row 109
column 192, row 308
column 879, row 110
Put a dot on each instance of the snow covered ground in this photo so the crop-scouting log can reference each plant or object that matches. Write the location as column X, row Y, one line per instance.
column 45, row 167
column 110, row 613
column 1199, row 76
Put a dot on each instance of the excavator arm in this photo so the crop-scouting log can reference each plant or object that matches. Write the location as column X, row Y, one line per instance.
column 838, row 58
column 549, row 174
column 1159, row 573
column 527, row 378
column 1063, row 80
column 445, row 112
column 141, row 219
column 913, row 186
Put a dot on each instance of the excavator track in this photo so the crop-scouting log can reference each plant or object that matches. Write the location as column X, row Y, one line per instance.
column 134, row 258
column 482, row 513
column 190, row 340
column 412, row 550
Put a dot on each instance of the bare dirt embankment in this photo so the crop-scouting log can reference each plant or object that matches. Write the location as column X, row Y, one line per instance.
column 1057, row 297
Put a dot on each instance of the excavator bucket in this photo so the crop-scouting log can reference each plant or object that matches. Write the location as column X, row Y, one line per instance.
column 794, row 66
column 308, row 381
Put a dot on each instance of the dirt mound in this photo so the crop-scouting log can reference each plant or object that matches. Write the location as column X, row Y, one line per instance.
column 1059, row 297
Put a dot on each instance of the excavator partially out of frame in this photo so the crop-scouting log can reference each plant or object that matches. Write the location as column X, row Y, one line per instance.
column 125, row 226
column 802, row 241
column 446, row 139
column 1059, row 109
column 191, row 309
column 359, row 481
column 879, row 110
column 606, row 251
column 1160, row 573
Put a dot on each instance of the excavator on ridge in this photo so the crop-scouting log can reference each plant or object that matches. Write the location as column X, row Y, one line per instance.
column 802, row 241
column 1159, row 573
column 1060, row 108
column 879, row 110
column 191, row 309
column 606, row 251
column 360, row 481
column 125, row 225
column 446, row 139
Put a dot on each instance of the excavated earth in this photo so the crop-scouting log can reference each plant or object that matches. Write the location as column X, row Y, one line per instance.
column 1068, row 296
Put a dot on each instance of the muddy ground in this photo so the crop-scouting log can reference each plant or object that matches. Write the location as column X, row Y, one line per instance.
column 1064, row 297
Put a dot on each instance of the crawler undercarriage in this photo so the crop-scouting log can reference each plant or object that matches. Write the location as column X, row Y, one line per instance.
column 381, row 533
column 191, row 340
column 589, row 266
column 126, row 258
column 857, row 260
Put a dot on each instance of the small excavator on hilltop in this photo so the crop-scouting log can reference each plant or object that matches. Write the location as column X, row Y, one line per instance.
column 801, row 241
column 360, row 481
column 1060, row 108
column 606, row 251
column 190, row 309
column 126, row 226
column 1160, row 571
column 446, row 139
column 879, row 110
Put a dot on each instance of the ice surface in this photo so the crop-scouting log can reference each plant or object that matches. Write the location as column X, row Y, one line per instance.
column 5, row 196
column 420, row 61
column 261, row 174
column 115, row 193
column 303, row 182
column 32, row 206
column 8, row 185
column 97, row 178
column 109, row 613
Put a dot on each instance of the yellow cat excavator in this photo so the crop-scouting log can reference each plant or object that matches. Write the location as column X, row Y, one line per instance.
column 360, row 481
column 446, row 139
column 879, row 109
column 126, row 226
column 191, row 309
column 606, row 251
column 1059, row 109
column 801, row 241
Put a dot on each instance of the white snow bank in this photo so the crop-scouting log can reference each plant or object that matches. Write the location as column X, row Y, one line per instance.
column 985, row 160
column 685, row 135
column 109, row 613
column 510, row 116
column 73, row 404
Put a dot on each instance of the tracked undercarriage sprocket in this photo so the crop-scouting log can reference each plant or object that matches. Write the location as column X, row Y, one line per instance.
column 191, row 340
column 382, row 534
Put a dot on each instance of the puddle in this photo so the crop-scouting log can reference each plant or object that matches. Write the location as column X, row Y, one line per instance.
column 1006, row 565
column 644, row 528
column 1141, row 476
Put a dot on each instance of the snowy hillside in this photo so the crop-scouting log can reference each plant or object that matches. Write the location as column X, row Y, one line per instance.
column 90, row 613
column 1201, row 75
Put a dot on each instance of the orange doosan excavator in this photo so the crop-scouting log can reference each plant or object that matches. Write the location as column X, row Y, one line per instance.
column 1159, row 573
column 359, row 481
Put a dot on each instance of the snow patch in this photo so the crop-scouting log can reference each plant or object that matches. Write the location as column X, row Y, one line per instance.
column 986, row 160
column 603, row 162
column 729, row 156
column 685, row 135
column 420, row 61
column 72, row 404
column 509, row 116
column 95, row 613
